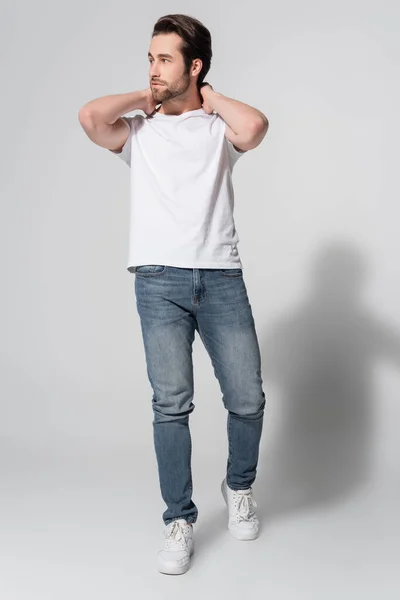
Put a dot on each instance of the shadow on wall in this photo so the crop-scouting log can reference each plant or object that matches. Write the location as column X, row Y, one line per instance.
column 320, row 360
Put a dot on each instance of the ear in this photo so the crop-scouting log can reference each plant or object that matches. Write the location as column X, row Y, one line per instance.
column 197, row 66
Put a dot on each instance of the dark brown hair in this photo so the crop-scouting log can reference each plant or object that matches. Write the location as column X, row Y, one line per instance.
column 196, row 40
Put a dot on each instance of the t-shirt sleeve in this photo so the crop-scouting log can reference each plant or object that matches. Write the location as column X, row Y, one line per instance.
column 125, row 153
column 233, row 153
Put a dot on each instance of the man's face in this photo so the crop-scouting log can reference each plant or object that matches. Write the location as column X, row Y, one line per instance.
column 166, row 66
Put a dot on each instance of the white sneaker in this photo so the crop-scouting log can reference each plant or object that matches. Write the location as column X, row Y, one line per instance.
column 243, row 523
column 174, row 559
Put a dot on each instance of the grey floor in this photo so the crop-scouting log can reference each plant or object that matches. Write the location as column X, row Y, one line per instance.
column 84, row 522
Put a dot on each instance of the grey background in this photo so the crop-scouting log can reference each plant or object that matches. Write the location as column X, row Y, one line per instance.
column 318, row 218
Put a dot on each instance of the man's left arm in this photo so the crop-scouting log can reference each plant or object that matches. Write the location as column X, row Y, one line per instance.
column 246, row 126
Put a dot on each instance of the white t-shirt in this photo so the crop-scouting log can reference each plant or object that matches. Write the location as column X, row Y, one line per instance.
column 182, row 199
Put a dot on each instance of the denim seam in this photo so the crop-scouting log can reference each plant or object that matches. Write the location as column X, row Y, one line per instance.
column 151, row 273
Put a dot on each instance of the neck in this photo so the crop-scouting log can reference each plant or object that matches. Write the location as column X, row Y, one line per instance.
column 177, row 106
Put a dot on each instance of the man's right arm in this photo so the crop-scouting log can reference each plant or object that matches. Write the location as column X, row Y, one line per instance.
column 101, row 118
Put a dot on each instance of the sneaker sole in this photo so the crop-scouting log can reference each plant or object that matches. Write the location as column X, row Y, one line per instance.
column 171, row 569
column 238, row 534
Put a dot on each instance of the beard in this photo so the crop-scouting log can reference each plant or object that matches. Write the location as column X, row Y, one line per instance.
column 173, row 90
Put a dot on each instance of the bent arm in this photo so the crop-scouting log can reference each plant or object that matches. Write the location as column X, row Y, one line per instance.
column 246, row 126
column 101, row 118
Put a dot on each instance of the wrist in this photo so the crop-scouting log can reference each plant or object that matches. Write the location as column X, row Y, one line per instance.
column 210, row 96
column 143, row 96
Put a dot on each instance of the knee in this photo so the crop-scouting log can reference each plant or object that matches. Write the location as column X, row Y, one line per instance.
column 251, row 409
column 172, row 408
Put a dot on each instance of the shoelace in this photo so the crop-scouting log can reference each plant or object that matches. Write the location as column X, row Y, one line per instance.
column 175, row 535
column 245, row 505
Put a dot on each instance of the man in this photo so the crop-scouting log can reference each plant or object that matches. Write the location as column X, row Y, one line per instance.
column 188, row 273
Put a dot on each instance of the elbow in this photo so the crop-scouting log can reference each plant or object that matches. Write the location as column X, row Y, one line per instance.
column 85, row 117
column 256, row 132
column 260, row 127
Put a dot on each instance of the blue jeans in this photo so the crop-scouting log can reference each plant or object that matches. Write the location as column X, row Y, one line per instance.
column 172, row 304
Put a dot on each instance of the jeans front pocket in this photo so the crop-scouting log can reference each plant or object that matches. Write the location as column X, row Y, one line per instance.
column 150, row 270
column 235, row 272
